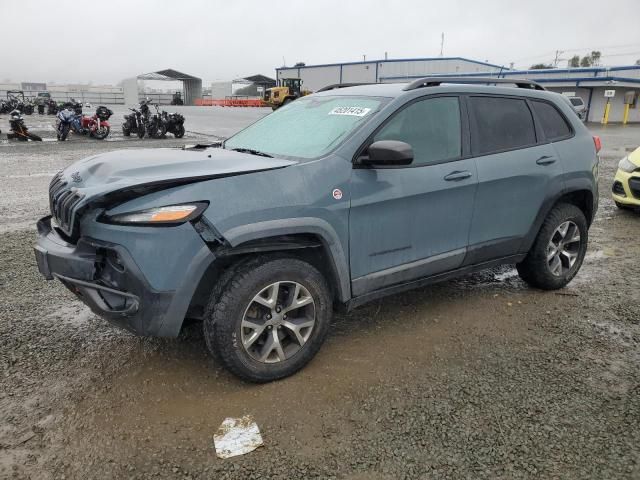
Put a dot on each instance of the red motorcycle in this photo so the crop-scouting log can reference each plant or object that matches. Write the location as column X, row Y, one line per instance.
column 97, row 125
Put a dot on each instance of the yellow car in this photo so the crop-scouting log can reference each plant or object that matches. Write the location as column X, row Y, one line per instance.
column 626, row 185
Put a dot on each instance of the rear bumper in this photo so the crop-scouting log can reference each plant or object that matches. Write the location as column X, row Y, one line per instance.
column 106, row 278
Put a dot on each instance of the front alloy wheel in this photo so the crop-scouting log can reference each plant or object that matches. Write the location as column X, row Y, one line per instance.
column 268, row 316
column 278, row 322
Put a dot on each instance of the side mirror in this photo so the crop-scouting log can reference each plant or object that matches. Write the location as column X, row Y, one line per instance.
column 389, row 153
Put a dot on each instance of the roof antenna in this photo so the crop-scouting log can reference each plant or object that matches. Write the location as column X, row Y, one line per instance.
column 442, row 45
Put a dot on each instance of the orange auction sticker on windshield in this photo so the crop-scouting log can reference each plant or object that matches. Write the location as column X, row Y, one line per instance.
column 352, row 111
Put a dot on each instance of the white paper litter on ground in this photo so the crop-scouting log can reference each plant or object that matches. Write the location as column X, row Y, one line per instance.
column 237, row 436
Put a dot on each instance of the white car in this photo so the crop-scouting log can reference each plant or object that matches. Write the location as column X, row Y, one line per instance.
column 580, row 108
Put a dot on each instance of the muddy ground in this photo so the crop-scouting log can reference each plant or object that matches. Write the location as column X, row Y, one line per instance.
column 481, row 377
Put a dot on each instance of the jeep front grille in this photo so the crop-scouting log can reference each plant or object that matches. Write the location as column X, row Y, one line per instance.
column 62, row 202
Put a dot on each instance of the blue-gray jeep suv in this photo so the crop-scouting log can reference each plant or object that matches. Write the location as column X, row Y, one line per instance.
column 339, row 198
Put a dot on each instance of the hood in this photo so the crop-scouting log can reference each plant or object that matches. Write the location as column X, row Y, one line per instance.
column 116, row 171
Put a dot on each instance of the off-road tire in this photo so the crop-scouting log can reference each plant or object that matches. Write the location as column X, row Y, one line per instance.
column 125, row 131
column 534, row 269
column 141, row 131
column 179, row 133
column 234, row 292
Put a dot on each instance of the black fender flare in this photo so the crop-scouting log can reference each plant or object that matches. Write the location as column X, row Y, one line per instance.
column 303, row 225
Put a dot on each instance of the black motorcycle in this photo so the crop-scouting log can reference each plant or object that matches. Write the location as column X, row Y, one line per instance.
column 153, row 124
column 19, row 130
column 52, row 107
column 173, row 122
column 133, row 123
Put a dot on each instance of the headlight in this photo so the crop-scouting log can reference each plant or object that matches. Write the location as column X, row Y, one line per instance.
column 627, row 166
column 169, row 215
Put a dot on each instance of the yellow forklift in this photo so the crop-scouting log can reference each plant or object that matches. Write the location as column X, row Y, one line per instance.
column 287, row 90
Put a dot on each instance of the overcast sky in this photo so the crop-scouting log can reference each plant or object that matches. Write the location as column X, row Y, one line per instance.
column 106, row 41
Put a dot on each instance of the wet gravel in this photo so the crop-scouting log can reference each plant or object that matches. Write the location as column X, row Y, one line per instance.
column 480, row 377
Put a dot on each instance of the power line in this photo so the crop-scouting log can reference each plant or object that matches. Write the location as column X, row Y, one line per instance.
column 551, row 54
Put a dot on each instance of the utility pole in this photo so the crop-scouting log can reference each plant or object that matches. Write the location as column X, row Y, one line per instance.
column 364, row 58
column 442, row 44
column 557, row 59
column 386, row 56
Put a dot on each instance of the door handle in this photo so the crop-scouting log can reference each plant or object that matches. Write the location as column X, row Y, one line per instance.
column 546, row 160
column 456, row 176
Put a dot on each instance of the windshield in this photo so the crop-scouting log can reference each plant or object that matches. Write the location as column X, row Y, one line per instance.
column 307, row 128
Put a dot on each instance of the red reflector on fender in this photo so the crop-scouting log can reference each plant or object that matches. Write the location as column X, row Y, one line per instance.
column 597, row 142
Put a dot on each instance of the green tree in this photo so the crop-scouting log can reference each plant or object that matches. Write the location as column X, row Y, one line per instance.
column 595, row 58
column 586, row 61
column 574, row 61
column 638, row 62
column 539, row 66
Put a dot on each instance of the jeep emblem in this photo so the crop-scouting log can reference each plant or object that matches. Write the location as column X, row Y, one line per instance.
column 75, row 176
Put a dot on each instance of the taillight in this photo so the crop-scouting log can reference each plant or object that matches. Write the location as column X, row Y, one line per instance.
column 597, row 142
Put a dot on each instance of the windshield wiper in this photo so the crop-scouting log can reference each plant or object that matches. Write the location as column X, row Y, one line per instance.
column 252, row 152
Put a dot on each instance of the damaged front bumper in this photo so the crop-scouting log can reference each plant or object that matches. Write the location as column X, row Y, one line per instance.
column 106, row 278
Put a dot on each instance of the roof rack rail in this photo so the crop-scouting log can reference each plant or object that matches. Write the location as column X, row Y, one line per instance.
column 335, row 86
column 437, row 81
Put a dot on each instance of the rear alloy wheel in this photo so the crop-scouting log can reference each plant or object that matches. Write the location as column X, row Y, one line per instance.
column 563, row 248
column 270, row 318
column 558, row 251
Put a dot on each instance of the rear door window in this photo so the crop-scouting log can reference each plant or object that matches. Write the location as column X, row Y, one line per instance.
column 501, row 123
column 432, row 128
column 554, row 126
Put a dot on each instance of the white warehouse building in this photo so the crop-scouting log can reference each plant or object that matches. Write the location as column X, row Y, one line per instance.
column 375, row 71
column 588, row 83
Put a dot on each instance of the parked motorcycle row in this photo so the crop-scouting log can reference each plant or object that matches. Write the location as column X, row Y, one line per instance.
column 142, row 122
column 69, row 118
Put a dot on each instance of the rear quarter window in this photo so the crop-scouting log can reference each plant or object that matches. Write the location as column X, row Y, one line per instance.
column 501, row 123
column 553, row 124
column 576, row 102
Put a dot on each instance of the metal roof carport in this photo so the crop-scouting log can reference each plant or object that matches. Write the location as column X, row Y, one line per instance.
column 191, row 86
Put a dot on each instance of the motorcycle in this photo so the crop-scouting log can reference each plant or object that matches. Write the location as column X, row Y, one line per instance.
column 153, row 125
column 71, row 118
column 173, row 122
column 97, row 125
column 52, row 107
column 17, row 101
column 65, row 119
column 19, row 130
column 133, row 123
